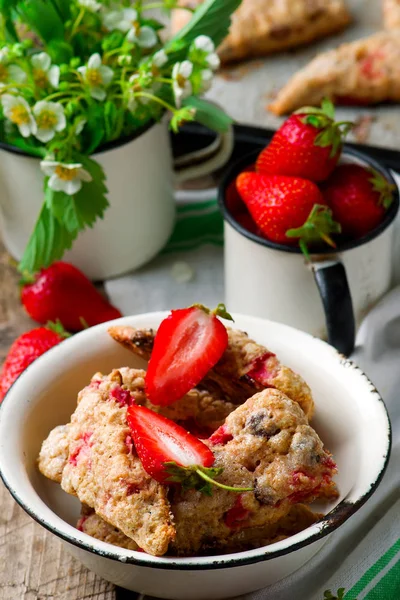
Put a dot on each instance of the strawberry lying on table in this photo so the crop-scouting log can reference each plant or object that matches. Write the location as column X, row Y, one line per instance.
column 27, row 348
column 299, row 195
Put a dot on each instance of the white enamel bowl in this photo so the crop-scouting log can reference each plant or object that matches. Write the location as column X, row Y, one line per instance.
column 350, row 417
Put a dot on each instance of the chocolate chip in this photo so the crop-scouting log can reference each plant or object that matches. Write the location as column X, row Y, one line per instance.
column 260, row 427
column 265, row 495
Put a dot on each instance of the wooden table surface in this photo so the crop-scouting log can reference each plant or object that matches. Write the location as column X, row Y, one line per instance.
column 33, row 563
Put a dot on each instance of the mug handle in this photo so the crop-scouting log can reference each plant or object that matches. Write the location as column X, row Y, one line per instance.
column 207, row 160
column 331, row 279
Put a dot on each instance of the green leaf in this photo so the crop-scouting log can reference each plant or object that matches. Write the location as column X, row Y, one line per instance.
column 319, row 226
column 383, row 188
column 42, row 17
column 93, row 133
column 60, row 51
column 212, row 18
column 48, row 242
column 198, row 478
column 6, row 12
column 328, row 108
column 91, row 201
column 27, row 146
column 153, row 23
column 221, row 311
column 110, row 119
column 209, row 114
column 183, row 115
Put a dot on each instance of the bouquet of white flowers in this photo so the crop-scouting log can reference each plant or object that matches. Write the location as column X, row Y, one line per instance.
column 78, row 74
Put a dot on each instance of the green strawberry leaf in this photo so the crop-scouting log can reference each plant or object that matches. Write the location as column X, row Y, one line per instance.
column 180, row 116
column 198, row 478
column 48, row 242
column 328, row 108
column 339, row 595
column 209, row 115
column 58, row 328
column 221, row 311
column 212, row 17
column 383, row 188
column 62, row 217
column 42, row 17
column 319, row 226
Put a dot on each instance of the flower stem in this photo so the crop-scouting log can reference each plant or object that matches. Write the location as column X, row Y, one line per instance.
column 163, row 80
column 201, row 474
column 77, row 22
column 156, row 99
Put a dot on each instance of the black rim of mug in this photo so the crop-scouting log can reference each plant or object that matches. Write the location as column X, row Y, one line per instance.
column 362, row 157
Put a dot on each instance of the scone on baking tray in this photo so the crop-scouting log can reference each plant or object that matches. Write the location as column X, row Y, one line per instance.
column 391, row 14
column 261, row 27
column 363, row 72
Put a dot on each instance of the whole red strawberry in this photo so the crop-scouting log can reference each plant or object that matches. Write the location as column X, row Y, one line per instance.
column 358, row 198
column 63, row 292
column 307, row 145
column 278, row 203
column 27, row 348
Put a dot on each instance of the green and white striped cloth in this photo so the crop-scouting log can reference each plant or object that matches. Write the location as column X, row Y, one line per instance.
column 197, row 223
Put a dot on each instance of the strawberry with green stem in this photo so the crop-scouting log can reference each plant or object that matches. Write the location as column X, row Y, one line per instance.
column 171, row 455
column 63, row 292
column 278, row 203
column 319, row 226
column 307, row 145
column 188, row 343
column 358, row 197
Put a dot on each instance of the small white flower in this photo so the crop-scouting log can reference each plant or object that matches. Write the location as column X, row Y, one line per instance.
column 9, row 72
column 145, row 36
column 205, row 43
column 44, row 72
column 127, row 21
column 50, row 118
column 97, row 76
column 140, row 84
column 206, row 80
column 213, row 61
column 65, row 177
column 181, row 83
column 18, row 111
column 159, row 59
column 90, row 5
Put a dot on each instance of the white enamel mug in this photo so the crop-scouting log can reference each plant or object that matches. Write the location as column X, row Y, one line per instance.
column 328, row 297
column 141, row 215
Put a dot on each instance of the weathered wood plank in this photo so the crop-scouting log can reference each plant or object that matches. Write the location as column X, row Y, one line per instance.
column 33, row 563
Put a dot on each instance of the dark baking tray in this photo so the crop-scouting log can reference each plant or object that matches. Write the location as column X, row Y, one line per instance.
column 247, row 138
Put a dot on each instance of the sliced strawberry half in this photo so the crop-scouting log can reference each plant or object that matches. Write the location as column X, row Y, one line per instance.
column 189, row 342
column 169, row 454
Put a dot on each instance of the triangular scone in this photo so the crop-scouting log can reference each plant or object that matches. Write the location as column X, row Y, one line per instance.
column 264, row 26
column 363, row 72
column 391, row 14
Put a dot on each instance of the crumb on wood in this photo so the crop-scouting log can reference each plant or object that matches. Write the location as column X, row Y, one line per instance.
column 362, row 128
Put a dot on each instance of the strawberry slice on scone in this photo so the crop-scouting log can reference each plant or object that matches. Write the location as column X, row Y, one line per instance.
column 169, row 454
column 189, row 342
